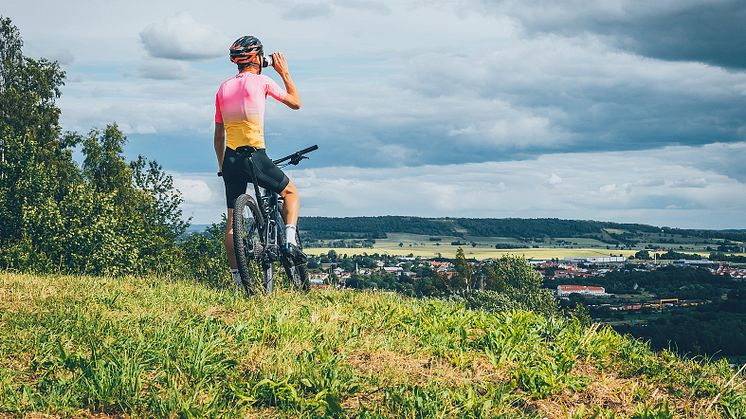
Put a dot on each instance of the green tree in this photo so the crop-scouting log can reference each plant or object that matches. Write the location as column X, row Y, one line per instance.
column 104, row 166
column 642, row 255
column 165, row 208
column 514, row 272
column 35, row 159
column 463, row 276
column 204, row 256
column 512, row 283
column 108, row 217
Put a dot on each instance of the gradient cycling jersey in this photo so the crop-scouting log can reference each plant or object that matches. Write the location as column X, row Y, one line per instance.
column 239, row 105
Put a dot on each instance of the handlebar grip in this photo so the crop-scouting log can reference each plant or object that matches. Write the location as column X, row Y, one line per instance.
column 308, row 150
column 297, row 153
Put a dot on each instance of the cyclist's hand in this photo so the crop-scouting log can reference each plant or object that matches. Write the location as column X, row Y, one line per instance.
column 279, row 63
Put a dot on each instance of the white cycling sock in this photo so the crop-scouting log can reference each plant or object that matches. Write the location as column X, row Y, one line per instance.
column 290, row 234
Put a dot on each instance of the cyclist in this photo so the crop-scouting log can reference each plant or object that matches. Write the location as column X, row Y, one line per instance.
column 239, row 121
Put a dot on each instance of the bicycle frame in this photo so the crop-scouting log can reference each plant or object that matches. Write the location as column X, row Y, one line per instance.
column 269, row 203
column 269, row 207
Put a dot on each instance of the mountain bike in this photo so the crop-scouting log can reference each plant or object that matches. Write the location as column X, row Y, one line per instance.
column 259, row 232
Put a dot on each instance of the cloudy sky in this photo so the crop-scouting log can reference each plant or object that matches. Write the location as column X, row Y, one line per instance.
column 620, row 110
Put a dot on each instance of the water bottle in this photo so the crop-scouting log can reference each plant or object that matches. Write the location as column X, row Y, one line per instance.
column 267, row 61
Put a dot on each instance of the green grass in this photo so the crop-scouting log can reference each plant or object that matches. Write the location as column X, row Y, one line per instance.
column 77, row 346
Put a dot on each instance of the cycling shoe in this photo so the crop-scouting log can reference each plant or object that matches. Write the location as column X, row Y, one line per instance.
column 296, row 254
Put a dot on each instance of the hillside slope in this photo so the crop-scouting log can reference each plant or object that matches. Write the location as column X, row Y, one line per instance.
column 76, row 346
column 377, row 227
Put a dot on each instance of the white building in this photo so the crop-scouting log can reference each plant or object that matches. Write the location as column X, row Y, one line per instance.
column 596, row 259
column 566, row 290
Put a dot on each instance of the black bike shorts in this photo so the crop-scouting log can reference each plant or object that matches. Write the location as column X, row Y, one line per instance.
column 237, row 174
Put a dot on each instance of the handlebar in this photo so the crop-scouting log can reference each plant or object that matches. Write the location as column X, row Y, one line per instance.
column 296, row 157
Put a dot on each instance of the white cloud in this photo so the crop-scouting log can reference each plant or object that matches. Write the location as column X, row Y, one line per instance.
column 181, row 37
column 485, row 82
column 64, row 57
column 304, row 11
column 602, row 186
column 505, row 82
column 164, row 69
column 193, row 189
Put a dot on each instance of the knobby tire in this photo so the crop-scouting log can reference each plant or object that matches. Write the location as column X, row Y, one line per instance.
column 246, row 232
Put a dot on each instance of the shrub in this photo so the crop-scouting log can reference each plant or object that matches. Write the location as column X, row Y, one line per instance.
column 539, row 301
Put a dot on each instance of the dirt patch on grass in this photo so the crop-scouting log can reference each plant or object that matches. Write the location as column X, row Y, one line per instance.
column 398, row 368
column 17, row 296
column 363, row 399
column 610, row 392
column 221, row 313
column 81, row 414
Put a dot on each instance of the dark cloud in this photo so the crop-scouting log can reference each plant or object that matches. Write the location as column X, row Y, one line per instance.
column 712, row 32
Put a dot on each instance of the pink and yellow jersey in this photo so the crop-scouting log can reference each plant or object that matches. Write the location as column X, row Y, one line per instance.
column 239, row 105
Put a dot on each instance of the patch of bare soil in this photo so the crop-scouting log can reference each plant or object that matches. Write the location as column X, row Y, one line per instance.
column 392, row 368
column 221, row 313
column 81, row 414
column 400, row 368
column 611, row 392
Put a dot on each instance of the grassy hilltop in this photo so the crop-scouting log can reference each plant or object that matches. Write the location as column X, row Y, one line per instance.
column 79, row 346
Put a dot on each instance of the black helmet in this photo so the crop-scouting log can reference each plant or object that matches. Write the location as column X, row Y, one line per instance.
column 244, row 49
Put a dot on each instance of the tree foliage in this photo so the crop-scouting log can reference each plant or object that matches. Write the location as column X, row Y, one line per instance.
column 511, row 283
column 35, row 159
column 106, row 216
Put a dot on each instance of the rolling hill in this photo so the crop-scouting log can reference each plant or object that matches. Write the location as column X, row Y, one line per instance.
column 377, row 227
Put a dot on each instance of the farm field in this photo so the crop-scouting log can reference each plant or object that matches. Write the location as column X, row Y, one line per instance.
column 425, row 246
column 449, row 251
column 583, row 241
column 421, row 245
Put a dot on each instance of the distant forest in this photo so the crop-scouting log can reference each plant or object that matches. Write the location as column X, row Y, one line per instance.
column 377, row 227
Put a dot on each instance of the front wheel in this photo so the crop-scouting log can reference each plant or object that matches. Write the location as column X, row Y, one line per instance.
column 248, row 225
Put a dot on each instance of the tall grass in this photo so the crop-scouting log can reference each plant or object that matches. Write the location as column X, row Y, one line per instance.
column 156, row 347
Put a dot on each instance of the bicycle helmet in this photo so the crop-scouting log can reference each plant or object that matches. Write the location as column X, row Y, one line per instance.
column 244, row 49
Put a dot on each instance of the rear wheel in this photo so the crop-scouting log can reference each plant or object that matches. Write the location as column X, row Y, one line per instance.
column 247, row 226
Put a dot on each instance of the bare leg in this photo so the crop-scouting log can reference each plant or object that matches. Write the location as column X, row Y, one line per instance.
column 228, row 241
column 292, row 204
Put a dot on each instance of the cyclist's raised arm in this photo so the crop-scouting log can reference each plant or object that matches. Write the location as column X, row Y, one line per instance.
column 292, row 98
